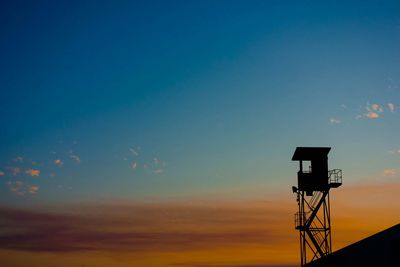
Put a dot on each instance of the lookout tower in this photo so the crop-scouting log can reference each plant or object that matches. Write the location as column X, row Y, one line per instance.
column 313, row 219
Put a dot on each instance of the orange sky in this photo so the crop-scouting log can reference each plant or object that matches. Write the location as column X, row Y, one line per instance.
column 185, row 233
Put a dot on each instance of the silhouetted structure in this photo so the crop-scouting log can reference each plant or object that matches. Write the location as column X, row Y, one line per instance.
column 313, row 219
column 381, row 249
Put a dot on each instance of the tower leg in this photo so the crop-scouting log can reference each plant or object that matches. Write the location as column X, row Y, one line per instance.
column 313, row 223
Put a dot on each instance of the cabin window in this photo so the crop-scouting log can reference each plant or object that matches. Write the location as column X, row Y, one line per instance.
column 307, row 166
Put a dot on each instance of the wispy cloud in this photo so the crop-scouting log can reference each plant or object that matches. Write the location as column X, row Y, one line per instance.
column 33, row 189
column 372, row 115
column 59, row 162
column 373, row 111
column 158, row 171
column 16, row 187
column 18, row 159
column 176, row 227
column 391, row 107
column 370, row 111
column 389, row 172
column 32, row 172
column 75, row 158
column 376, row 108
column 134, row 151
column 152, row 167
column 21, row 189
column 334, row 121
column 158, row 166
column 394, row 152
column 134, row 165
column 358, row 117
column 15, row 171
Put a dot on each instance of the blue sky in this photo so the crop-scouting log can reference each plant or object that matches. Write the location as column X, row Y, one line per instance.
column 212, row 97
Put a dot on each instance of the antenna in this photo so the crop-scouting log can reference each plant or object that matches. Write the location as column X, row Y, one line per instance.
column 313, row 220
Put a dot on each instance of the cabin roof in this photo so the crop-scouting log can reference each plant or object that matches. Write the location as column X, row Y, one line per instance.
column 310, row 153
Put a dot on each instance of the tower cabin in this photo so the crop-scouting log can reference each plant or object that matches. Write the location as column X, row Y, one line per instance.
column 314, row 176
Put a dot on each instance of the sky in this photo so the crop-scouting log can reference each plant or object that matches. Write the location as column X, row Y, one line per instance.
column 169, row 126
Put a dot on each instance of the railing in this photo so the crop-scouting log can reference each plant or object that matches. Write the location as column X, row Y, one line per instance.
column 335, row 176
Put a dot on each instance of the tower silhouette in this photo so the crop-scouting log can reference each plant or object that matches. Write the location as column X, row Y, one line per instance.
column 313, row 220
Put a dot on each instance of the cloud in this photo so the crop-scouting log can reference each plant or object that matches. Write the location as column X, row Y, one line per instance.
column 134, row 165
column 188, row 232
column 394, row 152
column 391, row 107
column 373, row 111
column 158, row 171
column 16, row 187
column 134, row 152
column 32, row 172
column 389, row 172
column 75, row 158
column 59, row 162
column 372, row 115
column 156, row 167
column 141, row 227
column 376, row 108
column 18, row 159
column 15, row 171
column 334, row 121
column 21, row 189
column 33, row 189
column 2, row 173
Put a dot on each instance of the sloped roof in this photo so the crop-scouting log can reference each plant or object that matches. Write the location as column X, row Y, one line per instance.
column 381, row 249
column 309, row 153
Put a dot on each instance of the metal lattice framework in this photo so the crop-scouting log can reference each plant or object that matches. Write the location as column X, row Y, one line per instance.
column 313, row 220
